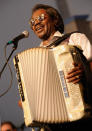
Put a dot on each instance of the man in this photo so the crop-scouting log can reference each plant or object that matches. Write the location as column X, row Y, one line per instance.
column 8, row 126
column 47, row 24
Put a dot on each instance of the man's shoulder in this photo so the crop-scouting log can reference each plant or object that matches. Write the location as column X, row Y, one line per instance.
column 72, row 33
column 77, row 34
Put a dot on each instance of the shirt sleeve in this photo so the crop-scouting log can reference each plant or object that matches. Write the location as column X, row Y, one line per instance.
column 81, row 40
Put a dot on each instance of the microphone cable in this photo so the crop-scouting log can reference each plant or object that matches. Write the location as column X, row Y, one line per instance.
column 10, row 85
column 24, row 34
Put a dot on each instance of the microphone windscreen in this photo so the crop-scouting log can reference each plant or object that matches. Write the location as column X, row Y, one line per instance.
column 26, row 33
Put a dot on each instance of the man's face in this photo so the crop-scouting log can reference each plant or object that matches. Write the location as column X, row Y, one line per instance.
column 42, row 27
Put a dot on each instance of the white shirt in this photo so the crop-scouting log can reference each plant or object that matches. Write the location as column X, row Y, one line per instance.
column 81, row 40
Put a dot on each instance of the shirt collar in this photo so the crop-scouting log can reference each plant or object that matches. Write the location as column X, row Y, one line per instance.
column 57, row 33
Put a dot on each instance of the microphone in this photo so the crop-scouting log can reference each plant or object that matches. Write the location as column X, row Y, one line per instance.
column 24, row 34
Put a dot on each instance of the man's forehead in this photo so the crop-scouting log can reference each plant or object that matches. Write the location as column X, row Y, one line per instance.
column 38, row 12
column 6, row 126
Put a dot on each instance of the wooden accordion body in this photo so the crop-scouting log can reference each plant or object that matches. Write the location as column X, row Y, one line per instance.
column 46, row 95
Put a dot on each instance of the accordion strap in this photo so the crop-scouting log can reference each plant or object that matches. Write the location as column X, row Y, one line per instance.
column 61, row 39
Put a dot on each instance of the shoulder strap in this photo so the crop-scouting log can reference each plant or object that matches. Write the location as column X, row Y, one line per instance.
column 61, row 39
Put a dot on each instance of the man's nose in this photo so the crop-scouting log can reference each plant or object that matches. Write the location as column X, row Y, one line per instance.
column 37, row 21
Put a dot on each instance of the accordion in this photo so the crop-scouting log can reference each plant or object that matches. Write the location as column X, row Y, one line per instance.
column 45, row 94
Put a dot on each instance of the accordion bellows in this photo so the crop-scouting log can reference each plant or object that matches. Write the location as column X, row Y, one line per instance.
column 46, row 95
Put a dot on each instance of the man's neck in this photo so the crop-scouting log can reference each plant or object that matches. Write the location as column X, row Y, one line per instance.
column 46, row 42
column 51, row 39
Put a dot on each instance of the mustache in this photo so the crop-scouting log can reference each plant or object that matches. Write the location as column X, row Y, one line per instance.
column 38, row 26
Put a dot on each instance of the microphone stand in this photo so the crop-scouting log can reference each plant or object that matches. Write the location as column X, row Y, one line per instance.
column 14, row 48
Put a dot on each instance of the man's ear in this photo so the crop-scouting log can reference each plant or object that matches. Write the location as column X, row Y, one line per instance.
column 55, row 23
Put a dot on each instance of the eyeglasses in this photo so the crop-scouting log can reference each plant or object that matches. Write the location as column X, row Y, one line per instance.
column 40, row 18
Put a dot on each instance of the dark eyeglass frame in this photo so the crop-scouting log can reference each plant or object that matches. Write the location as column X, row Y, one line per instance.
column 40, row 18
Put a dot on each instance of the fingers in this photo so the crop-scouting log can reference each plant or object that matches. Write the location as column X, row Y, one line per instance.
column 75, row 74
column 77, row 68
column 74, row 79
